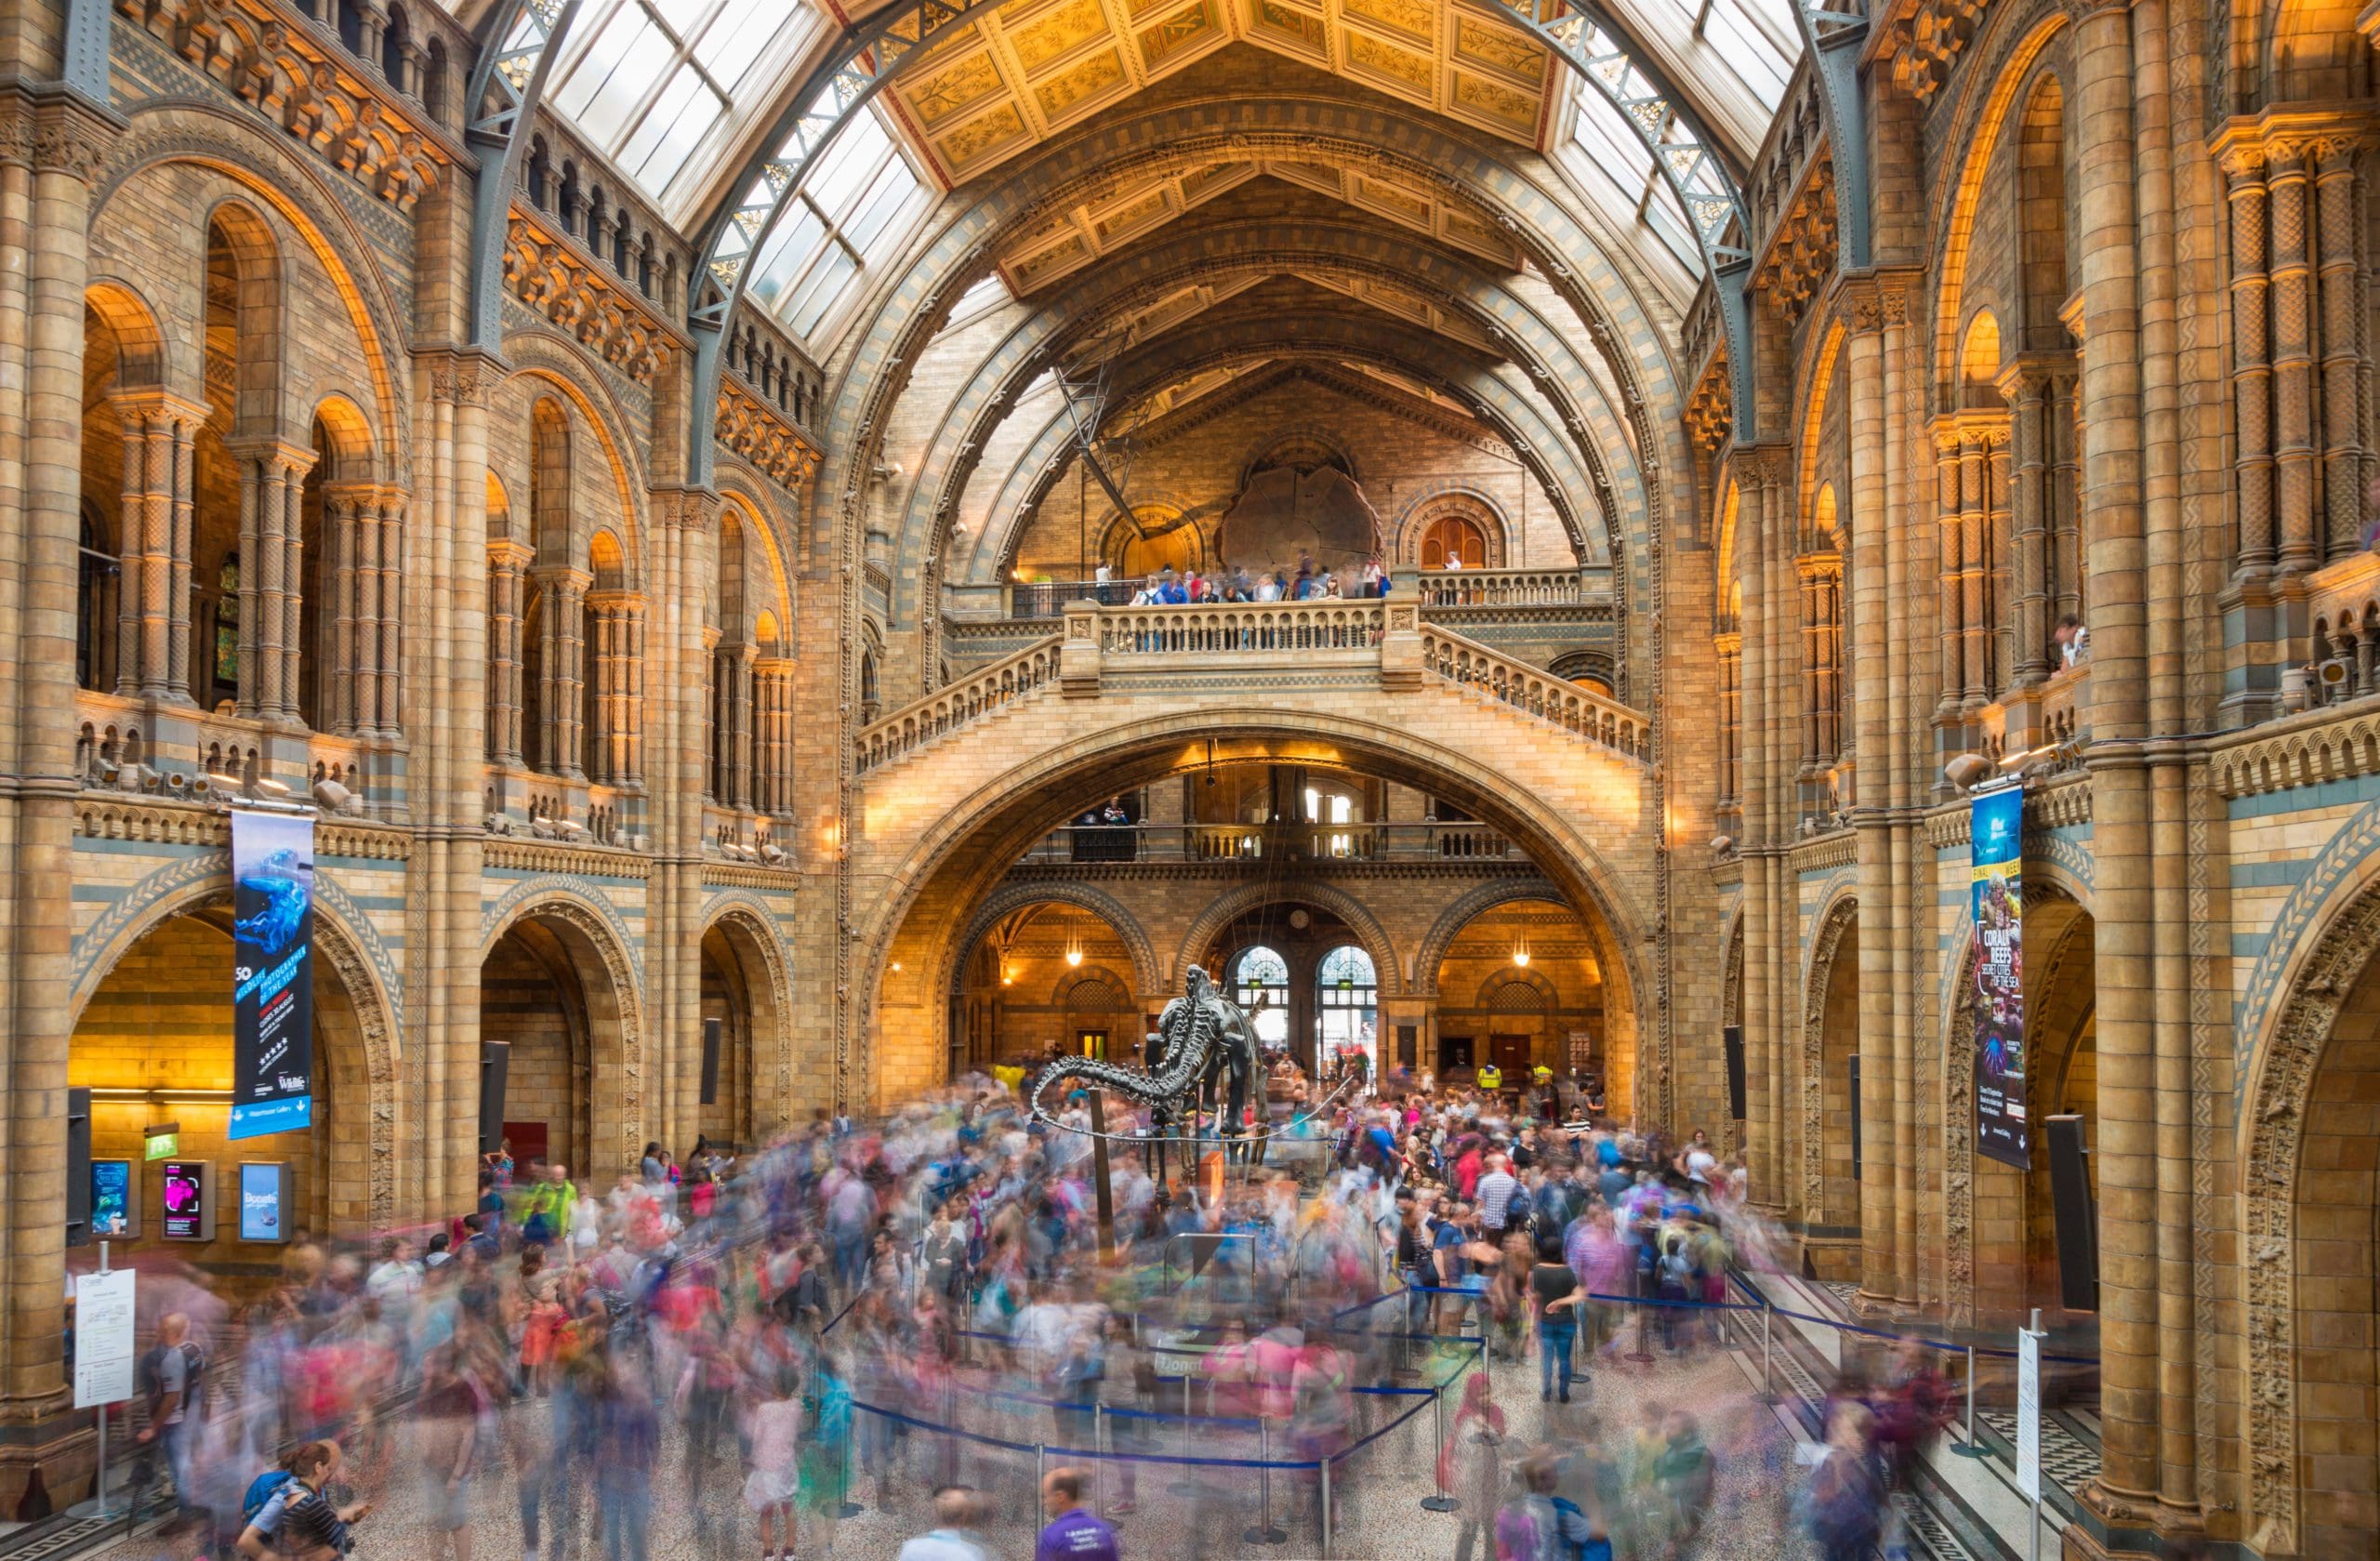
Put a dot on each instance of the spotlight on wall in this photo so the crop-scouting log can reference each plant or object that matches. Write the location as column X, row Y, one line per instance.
column 1074, row 955
column 1967, row 770
column 1520, row 958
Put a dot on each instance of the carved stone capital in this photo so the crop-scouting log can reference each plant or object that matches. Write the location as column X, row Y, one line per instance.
column 51, row 128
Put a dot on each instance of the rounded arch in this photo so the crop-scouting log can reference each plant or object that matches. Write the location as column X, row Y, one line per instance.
column 1428, row 517
column 1516, row 992
column 1979, row 359
column 1431, row 952
column 2336, row 964
column 1147, row 974
column 1092, row 992
column 1233, row 903
column 744, row 923
column 250, row 271
column 758, row 521
column 548, row 362
column 227, row 140
column 343, row 940
column 594, row 939
column 139, row 345
column 1838, row 920
column 930, row 864
column 606, row 561
column 1956, row 219
column 347, row 435
column 1305, row 447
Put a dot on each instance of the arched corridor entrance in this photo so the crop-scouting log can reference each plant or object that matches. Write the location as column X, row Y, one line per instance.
column 1830, row 1117
column 153, row 1046
column 1044, row 978
column 737, row 1102
column 548, row 988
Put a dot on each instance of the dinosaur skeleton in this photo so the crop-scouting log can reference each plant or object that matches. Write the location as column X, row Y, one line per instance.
column 1202, row 1042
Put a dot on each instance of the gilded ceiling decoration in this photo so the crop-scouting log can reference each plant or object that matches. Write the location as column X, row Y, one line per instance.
column 1027, row 70
column 1075, row 238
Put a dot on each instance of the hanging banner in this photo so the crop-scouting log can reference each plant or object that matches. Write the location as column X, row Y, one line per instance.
column 1998, row 908
column 272, row 994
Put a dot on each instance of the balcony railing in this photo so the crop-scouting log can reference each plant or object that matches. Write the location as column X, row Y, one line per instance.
column 1502, row 588
column 1219, row 631
column 1425, row 840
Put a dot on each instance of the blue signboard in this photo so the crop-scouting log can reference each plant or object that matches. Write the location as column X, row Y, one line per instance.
column 273, row 1001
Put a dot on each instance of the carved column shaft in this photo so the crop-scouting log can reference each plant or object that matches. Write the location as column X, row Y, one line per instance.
column 2292, row 367
column 561, row 675
column 2028, row 529
column 1949, row 480
column 272, row 575
column 505, row 570
column 1998, row 624
column 2344, row 358
column 2250, row 358
column 775, row 675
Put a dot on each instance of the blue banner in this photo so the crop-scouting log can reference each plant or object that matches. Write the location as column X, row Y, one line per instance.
column 1998, row 907
column 272, row 993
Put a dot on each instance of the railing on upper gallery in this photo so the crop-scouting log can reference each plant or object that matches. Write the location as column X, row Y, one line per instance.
column 1540, row 694
column 920, row 722
column 1214, row 630
column 1134, row 634
column 1422, row 840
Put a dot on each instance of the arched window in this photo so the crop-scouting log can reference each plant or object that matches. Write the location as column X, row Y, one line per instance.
column 1336, row 811
column 870, row 704
column 433, row 85
column 1260, row 983
column 1347, row 1007
column 393, row 42
column 95, row 610
column 227, row 628
column 1454, row 542
column 351, row 25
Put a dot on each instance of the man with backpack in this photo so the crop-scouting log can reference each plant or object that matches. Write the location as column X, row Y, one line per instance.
column 175, row 1372
column 551, row 1203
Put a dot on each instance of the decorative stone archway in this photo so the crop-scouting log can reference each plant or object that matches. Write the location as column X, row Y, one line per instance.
column 1841, row 917
column 2276, row 1129
column 1231, row 906
column 365, row 1075
column 755, row 945
column 592, row 937
column 1147, row 974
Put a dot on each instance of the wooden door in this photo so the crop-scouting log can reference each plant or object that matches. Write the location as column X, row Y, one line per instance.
column 1511, row 1054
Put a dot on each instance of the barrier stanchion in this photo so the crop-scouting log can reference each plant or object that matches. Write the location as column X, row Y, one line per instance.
column 847, row 1507
column 1040, row 1470
column 1325, row 1507
column 1969, row 1446
column 950, row 1431
column 1264, row 1532
column 1439, row 1501
column 1099, row 1458
column 1767, row 1377
column 1643, row 1353
column 1184, row 1484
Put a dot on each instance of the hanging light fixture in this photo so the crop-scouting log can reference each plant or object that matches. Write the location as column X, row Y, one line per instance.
column 1520, row 954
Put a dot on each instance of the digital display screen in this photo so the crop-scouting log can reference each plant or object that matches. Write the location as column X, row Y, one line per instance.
column 185, row 1199
column 113, row 1191
column 263, row 1191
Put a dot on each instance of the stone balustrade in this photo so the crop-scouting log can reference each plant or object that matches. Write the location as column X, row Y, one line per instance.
column 1424, row 841
column 979, row 694
column 1098, row 640
column 1502, row 588
column 1211, row 629
column 1538, row 693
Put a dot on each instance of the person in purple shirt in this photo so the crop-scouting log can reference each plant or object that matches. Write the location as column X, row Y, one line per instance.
column 1075, row 1532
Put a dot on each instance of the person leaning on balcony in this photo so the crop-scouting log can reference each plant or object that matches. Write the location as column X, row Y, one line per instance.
column 2072, row 639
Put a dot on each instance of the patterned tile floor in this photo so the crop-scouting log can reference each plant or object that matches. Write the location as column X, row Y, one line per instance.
column 2067, row 1460
column 1379, row 1500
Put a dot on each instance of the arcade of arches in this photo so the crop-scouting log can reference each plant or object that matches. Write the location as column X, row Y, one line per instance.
column 742, row 681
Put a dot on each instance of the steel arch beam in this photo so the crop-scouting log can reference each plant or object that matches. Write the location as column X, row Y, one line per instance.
column 868, row 53
column 1832, row 35
column 729, row 237
column 1689, row 157
column 508, row 83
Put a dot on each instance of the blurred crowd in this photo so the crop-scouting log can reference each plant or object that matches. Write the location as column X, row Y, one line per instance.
column 795, row 1333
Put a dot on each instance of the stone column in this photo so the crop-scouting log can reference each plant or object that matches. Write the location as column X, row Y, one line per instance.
column 272, row 577
column 1948, row 478
column 2025, row 387
column 51, row 148
column 1821, row 572
column 2292, row 365
column 508, row 563
column 2345, row 351
column 775, row 675
column 1998, row 624
column 2245, row 168
column 349, row 680
column 714, row 773
column 631, row 753
column 152, row 597
column 1762, row 1005
column 601, row 651
column 737, row 701
column 2102, row 113
column 381, row 713
column 561, row 680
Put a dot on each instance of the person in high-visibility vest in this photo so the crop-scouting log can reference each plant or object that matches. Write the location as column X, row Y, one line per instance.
column 1491, row 1077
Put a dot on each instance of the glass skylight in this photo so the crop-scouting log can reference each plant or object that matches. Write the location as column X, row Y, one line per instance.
column 854, row 208
column 661, row 87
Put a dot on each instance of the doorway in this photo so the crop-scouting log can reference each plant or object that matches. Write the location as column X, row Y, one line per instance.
column 1510, row 1054
column 1091, row 1043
